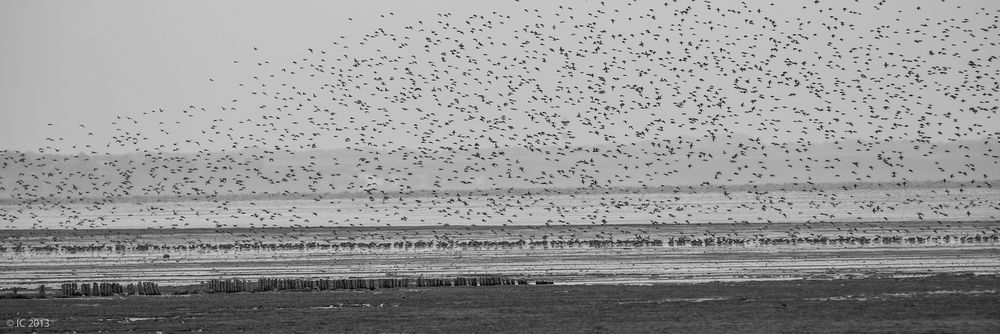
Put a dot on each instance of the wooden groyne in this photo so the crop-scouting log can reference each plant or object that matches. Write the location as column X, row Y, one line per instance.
column 109, row 289
column 230, row 285
column 276, row 284
column 273, row 284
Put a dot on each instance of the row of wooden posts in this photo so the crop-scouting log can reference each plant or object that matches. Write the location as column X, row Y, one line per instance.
column 109, row 289
column 269, row 284
column 468, row 281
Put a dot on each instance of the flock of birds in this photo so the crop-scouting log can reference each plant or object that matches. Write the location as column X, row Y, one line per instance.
column 583, row 110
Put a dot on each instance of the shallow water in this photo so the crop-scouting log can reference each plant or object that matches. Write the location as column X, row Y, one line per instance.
column 741, row 236
column 932, row 204
column 573, row 264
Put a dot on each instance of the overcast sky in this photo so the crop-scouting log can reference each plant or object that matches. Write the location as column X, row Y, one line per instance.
column 79, row 65
column 85, row 62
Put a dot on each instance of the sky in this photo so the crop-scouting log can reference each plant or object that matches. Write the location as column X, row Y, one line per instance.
column 86, row 62
column 76, row 73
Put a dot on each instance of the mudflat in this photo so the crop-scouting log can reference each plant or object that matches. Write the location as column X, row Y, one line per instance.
column 939, row 303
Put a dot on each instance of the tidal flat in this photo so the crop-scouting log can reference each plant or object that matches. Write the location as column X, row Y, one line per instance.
column 938, row 303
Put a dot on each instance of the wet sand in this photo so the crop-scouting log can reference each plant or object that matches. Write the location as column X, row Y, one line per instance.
column 942, row 303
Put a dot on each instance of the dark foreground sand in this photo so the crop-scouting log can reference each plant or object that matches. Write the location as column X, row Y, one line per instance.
column 942, row 303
